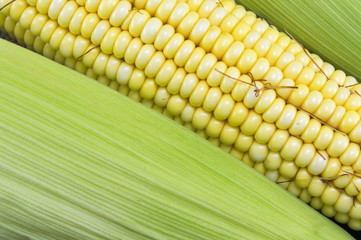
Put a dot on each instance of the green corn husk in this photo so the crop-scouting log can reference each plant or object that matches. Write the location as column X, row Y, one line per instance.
column 80, row 161
column 329, row 28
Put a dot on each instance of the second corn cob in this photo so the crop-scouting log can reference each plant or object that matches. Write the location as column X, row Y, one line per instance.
column 294, row 136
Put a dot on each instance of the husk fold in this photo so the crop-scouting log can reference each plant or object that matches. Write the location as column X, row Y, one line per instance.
column 80, row 161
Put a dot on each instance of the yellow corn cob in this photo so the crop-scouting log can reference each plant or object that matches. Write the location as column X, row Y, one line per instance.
column 191, row 61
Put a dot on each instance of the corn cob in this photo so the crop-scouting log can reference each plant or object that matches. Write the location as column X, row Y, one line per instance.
column 302, row 128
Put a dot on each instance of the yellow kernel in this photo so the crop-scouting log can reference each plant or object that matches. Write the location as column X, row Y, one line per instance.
column 132, row 50
column 229, row 23
column 311, row 131
column 326, row 109
column 273, row 113
column 292, row 188
column 318, row 163
column 217, row 16
column 258, row 152
column 99, row 32
column 178, row 13
column 188, row 112
column 341, row 96
column 214, row 127
column 240, row 31
column 17, row 8
column 227, row 83
column 274, row 53
column 316, row 187
column 354, row 224
column 330, row 89
column 188, row 85
column 344, row 203
column 55, row 8
column 265, row 101
column 198, row 95
column 247, row 60
column 355, row 134
column 112, row 67
column 294, row 48
column 92, row 5
column 247, row 160
column 224, row 107
column 273, row 160
column 210, row 38
column 288, row 169
column 350, row 155
column 148, row 89
column 239, row 114
column 176, row 105
column 274, row 76
column 154, row 65
column 251, row 97
column 229, row 134
column 151, row 30
column 166, row 72
column 251, row 38
column 138, row 22
column 330, row 195
column 171, row 48
column 300, row 123
column 206, row 8
column 100, row 64
column 66, row 45
column 212, row 99
column 338, row 144
column 303, row 178
column 262, row 46
column 124, row 72
column 120, row 13
column 57, row 37
column 121, row 44
column 278, row 140
column 163, row 37
column 240, row 90
column 353, row 188
column 136, row 80
column 27, row 17
column 284, row 40
column 324, row 137
column 285, row 88
column 272, row 175
column 291, row 148
column 201, row 118
column 222, row 44
column 164, row 10
column 161, row 97
column 272, row 34
column 313, row 101
column 287, row 117
column 306, row 76
column 199, row 30
column 353, row 102
column 316, row 203
column 89, row 24
column 144, row 56
column 260, row 68
column 194, row 60
column 253, row 121
column 107, row 43
column 342, row 218
column 243, row 142
column 176, row 81
column 106, row 8
column 318, row 82
column 337, row 116
column 66, row 13
column 344, row 177
column 206, row 66
column 338, row 76
column 265, row 132
column 187, row 23
column 349, row 121
column 293, row 70
column 184, row 53
column 305, row 155
column 332, row 169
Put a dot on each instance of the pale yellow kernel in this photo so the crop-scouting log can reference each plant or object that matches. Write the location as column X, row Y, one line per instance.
column 262, row 46
column 57, row 37
column 338, row 76
column 341, row 96
column 184, row 52
column 265, row 101
column 328, row 69
column 291, row 149
column 151, row 30
column 92, row 5
column 338, row 144
column 274, row 53
column 112, row 67
column 303, row 178
column 252, row 96
column 317, row 187
column 166, row 74
column 274, row 76
column 237, row 154
column 288, row 169
column 221, row 45
column 165, row 9
column 79, row 67
column 330, row 195
column 206, row 66
column 226, row 148
column 342, row 218
column 259, row 167
column 312, row 102
column 195, row 59
column 148, row 89
column 240, row 90
column 178, row 13
column 247, row 60
column 303, row 58
column 287, row 117
column 121, row 44
column 217, row 16
column 311, row 131
column 284, row 40
column 344, row 203
column 150, row 104
column 224, row 107
column 354, row 224
column 25, row 19
column 253, row 121
column 136, row 80
column 250, row 18
column 81, row 46
column 240, row 31
column 326, row 109
column 106, row 8
column 120, row 13
column 109, row 39
column 260, row 26
column 17, row 8
column 284, row 60
column 161, row 97
column 214, row 127
column 350, row 155
column 283, row 181
column 316, row 203
column 243, row 142
column 343, row 177
column 353, row 188
column 260, row 68
column 199, row 30
column 353, row 102
column 176, row 81
column 272, row 175
column 206, row 8
column 171, row 48
column 293, row 70
column 176, row 105
column 273, row 160
column 298, row 96
column 186, row 24
column 91, row 74
column 212, row 99
column 318, row 82
column 210, row 38
column 39, row 45
column 305, row 155
column 258, row 152
column 103, row 80
column 337, row 116
column 99, row 32
column 66, row 13
column 272, row 34
column 318, row 163
column 238, row 115
column 100, row 64
column 89, row 24
column 138, row 22
column 41, row 5
column 306, row 76
column 201, row 118
column 229, row 5
column 278, row 140
column 316, row 63
column 332, row 169
column 187, row 113
column 227, row 83
column 292, row 188
column 188, row 85
column 154, row 65
column 124, row 72
column 198, row 95
column 216, row 142
column 49, row 52
column 194, row 4
column 144, row 56
column 19, row 33
column 265, row 132
column 132, row 50
column 285, row 88
column 55, row 8
column 350, row 80
column 294, row 48
column 251, row 38
column 66, row 45
column 355, row 134
column 229, row 134
column 229, row 23
column 163, row 37
column 273, row 112
column 324, row 137
column 349, row 121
